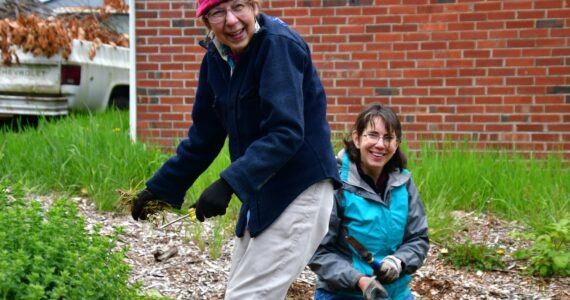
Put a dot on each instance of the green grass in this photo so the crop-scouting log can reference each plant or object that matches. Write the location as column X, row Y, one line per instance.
column 78, row 155
column 535, row 192
column 89, row 155
column 93, row 156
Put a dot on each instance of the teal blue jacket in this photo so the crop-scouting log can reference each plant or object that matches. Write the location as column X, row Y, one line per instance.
column 391, row 224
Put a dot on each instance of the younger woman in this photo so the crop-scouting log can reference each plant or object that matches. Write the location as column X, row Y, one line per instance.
column 379, row 207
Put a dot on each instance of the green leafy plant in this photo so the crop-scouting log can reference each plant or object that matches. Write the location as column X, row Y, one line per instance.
column 473, row 256
column 549, row 255
column 48, row 254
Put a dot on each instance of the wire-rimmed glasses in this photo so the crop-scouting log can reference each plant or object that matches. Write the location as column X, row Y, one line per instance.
column 375, row 137
column 238, row 8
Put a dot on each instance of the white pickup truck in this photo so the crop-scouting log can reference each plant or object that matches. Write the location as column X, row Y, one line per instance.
column 54, row 86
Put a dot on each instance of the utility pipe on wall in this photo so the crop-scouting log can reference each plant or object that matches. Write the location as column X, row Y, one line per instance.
column 132, row 74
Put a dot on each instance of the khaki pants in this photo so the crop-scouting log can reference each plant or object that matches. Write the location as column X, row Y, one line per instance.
column 265, row 266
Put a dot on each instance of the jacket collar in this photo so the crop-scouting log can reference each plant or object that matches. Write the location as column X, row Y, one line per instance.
column 350, row 177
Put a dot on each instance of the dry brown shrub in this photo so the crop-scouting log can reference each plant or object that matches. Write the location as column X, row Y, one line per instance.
column 49, row 36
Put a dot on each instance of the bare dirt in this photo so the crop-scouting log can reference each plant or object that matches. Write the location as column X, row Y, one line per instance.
column 168, row 263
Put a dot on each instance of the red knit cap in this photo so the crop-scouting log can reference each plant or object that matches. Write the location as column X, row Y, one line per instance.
column 205, row 5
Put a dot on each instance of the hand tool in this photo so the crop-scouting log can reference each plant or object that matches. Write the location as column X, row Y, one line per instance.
column 374, row 291
column 364, row 254
column 191, row 214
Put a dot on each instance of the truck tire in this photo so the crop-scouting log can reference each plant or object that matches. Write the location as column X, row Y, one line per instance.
column 120, row 98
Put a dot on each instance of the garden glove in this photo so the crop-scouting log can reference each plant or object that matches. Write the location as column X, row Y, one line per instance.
column 138, row 204
column 375, row 291
column 390, row 269
column 214, row 200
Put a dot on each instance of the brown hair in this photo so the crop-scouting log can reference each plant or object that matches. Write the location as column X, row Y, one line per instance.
column 367, row 116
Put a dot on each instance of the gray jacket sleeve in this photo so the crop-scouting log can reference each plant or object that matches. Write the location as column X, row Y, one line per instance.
column 332, row 261
column 415, row 244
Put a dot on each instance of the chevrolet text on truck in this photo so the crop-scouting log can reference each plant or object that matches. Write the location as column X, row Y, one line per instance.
column 52, row 86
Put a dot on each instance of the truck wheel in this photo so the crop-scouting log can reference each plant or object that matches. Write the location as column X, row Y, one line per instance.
column 120, row 98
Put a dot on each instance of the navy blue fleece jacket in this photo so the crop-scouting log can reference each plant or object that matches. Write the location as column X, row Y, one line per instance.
column 273, row 109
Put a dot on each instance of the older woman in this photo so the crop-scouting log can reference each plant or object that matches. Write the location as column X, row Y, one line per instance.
column 257, row 86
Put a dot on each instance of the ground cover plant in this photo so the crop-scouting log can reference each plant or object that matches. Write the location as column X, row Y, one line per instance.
column 474, row 256
column 49, row 254
column 93, row 156
column 550, row 253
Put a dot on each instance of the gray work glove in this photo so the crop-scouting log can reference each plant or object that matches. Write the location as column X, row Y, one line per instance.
column 390, row 269
column 375, row 291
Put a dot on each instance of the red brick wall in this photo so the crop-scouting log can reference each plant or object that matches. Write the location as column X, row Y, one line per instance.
column 493, row 72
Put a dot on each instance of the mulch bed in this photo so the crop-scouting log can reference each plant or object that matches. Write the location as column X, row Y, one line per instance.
column 188, row 272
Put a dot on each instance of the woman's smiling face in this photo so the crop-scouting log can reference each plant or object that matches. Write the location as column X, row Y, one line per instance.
column 377, row 147
column 237, row 28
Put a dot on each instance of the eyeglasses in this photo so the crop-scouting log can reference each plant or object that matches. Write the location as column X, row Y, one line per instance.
column 375, row 137
column 218, row 15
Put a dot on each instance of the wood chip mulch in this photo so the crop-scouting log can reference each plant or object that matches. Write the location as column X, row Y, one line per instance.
column 170, row 264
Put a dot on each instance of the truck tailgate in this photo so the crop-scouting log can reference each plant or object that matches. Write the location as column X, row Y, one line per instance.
column 34, row 75
column 32, row 87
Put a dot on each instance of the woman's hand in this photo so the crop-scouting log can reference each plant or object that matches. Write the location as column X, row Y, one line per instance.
column 372, row 289
column 138, row 204
column 363, row 282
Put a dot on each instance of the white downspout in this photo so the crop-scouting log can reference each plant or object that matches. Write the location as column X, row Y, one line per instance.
column 132, row 73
